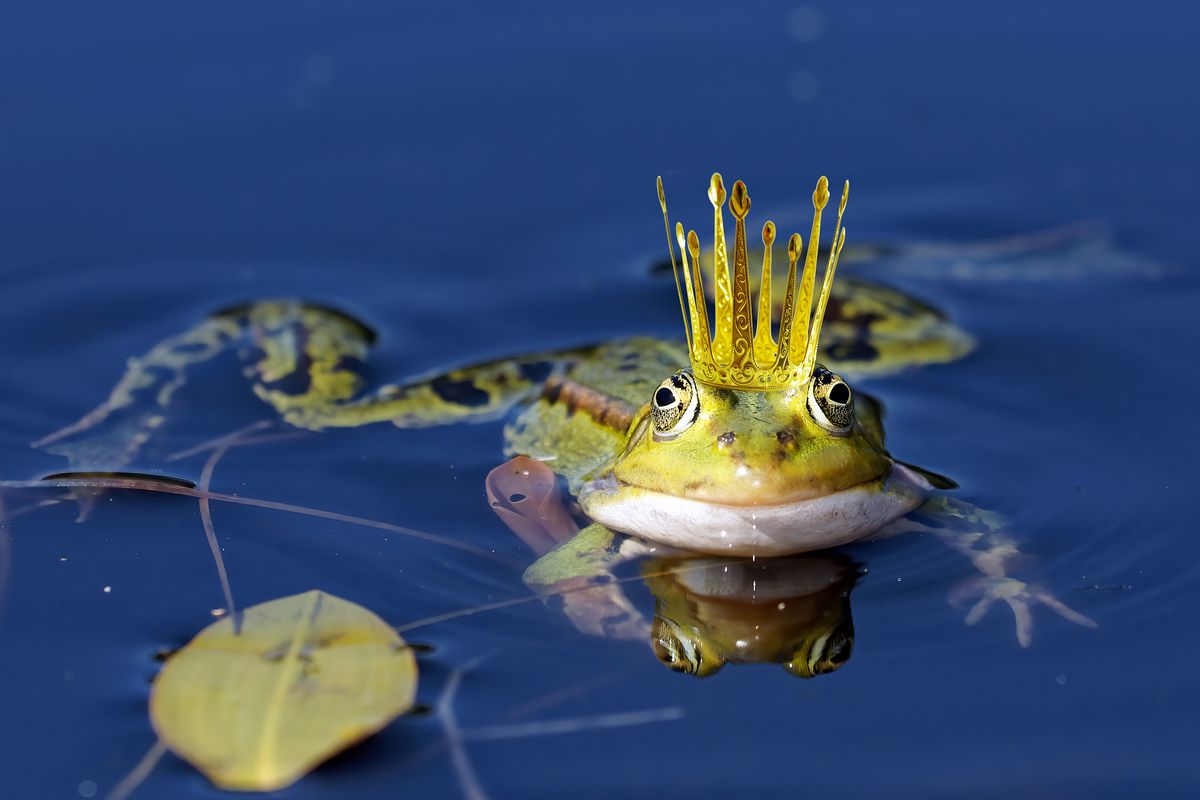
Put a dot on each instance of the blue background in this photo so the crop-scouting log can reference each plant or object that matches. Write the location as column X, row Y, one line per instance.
column 476, row 179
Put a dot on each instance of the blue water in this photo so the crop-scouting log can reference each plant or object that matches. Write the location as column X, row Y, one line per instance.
column 476, row 180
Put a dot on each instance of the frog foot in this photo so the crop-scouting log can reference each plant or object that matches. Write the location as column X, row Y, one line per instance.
column 524, row 494
column 1020, row 597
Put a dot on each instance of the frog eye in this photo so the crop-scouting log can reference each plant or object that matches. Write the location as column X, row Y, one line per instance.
column 683, row 653
column 823, row 655
column 675, row 405
column 830, row 401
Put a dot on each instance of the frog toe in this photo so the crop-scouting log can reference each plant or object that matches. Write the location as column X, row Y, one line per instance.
column 1020, row 597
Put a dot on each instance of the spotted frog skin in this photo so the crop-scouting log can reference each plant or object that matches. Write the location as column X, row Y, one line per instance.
column 656, row 462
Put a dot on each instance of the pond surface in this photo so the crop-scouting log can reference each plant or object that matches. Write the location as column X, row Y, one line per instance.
column 475, row 181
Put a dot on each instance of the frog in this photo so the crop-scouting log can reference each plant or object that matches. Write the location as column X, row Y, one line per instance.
column 739, row 441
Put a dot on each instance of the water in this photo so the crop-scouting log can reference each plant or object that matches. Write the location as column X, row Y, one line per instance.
column 476, row 181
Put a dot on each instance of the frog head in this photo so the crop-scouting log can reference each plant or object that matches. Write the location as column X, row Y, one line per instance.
column 719, row 470
column 756, row 448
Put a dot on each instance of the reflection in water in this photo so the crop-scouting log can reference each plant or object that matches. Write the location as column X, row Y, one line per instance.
column 792, row 611
column 709, row 611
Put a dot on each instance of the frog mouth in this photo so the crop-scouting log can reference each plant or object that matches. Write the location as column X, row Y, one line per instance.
column 793, row 525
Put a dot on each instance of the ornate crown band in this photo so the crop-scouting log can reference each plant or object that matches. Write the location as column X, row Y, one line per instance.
column 737, row 356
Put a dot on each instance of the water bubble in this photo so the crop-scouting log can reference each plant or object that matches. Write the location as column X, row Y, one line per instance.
column 806, row 23
column 803, row 86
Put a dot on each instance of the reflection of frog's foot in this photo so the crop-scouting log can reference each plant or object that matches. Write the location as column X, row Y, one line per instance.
column 579, row 574
column 603, row 610
column 1020, row 597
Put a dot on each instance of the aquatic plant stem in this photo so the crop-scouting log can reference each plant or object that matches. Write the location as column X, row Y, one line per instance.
column 222, row 446
column 212, row 444
column 467, row 778
column 164, row 487
column 139, row 773
column 552, row 727
column 516, row 601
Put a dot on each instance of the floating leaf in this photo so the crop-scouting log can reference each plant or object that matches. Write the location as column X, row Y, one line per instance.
column 308, row 676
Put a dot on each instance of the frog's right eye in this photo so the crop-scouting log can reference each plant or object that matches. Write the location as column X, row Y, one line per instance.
column 675, row 405
column 683, row 653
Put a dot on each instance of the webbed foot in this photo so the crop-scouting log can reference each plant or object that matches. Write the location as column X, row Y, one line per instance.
column 1020, row 597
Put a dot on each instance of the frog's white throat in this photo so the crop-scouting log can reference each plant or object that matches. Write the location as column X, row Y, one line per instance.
column 765, row 530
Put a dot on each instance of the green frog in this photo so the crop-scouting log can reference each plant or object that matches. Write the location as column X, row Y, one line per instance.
column 742, row 440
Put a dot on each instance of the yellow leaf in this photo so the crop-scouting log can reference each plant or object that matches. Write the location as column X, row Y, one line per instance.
column 308, row 676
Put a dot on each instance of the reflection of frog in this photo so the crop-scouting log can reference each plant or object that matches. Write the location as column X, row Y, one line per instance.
column 756, row 449
column 793, row 611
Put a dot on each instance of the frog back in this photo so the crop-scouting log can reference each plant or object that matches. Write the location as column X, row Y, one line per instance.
column 578, row 423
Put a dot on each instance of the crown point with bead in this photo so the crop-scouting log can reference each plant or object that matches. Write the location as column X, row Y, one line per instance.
column 740, row 354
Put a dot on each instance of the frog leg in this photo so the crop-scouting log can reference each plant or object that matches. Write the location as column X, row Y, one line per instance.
column 111, row 435
column 525, row 494
column 303, row 360
column 978, row 535
column 574, row 568
column 579, row 573
column 287, row 342
column 471, row 394
column 328, row 398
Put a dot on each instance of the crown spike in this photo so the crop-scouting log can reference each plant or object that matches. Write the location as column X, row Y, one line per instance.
column 722, row 291
column 808, row 282
column 737, row 355
column 787, row 320
column 703, row 344
column 835, row 252
column 687, row 326
column 742, row 343
column 691, row 291
column 764, row 343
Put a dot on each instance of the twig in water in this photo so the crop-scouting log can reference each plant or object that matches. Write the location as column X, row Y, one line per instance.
column 559, row 696
column 467, row 778
column 517, row 601
column 166, row 486
column 139, row 773
column 551, row 727
column 212, row 444
column 220, row 447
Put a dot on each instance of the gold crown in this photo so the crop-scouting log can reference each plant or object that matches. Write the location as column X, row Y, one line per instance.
column 737, row 356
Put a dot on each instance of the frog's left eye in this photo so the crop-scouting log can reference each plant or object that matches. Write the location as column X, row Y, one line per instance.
column 830, row 401
column 675, row 405
column 825, row 654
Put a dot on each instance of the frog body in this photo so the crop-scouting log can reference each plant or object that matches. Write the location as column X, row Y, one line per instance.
column 724, row 446
column 758, row 478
